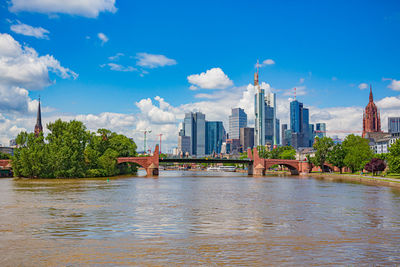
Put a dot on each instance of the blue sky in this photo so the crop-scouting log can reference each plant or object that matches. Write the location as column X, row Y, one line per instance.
column 327, row 49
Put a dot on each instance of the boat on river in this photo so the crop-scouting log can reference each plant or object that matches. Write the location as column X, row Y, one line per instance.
column 222, row 168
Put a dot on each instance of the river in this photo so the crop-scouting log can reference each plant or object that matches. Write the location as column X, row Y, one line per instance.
column 197, row 218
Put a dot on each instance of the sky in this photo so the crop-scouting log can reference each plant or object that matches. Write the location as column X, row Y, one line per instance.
column 130, row 66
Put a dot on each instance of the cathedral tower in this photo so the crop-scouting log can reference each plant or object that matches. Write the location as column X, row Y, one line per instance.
column 38, row 126
column 371, row 118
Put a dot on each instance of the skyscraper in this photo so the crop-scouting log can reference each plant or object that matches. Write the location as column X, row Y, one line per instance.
column 320, row 129
column 195, row 128
column 38, row 125
column 259, row 111
column 299, row 124
column 394, row 125
column 215, row 136
column 371, row 117
column 246, row 138
column 283, row 129
column 270, row 119
column 237, row 120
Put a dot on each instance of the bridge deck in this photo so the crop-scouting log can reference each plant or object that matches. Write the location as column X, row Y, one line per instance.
column 206, row 160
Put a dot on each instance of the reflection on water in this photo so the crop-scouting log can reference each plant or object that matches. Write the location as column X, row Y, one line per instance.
column 197, row 218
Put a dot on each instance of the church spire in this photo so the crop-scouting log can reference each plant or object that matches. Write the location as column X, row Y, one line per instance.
column 38, row 126
column 371, row 97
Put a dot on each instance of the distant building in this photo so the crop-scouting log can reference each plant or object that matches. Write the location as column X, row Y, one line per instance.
column 215, row 136
column 311, row 134
column 259, row 111
column 288, row 137
column 371, row 117
column 38, row 125
column 7, row 150
column 299, row 124
column 13, row 143
column 195, row 128
column 283, row 129
column 394, row 125
column 234, row 145
column 237, row 120
column 320, row 130
column 184, row 145
column 246, row 138
column 277, row 132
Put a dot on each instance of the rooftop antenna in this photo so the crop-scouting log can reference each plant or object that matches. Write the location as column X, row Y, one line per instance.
column 295, row 93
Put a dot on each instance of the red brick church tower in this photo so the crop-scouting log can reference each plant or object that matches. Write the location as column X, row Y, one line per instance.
column 38, row 126
column 372, row 118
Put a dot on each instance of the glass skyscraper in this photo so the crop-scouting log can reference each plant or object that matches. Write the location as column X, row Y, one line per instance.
column 320, row 129
column 259, row 111
column 195, row 128
column 394, row 125
column 215, row 136
column 299, row 124
column 237, row 120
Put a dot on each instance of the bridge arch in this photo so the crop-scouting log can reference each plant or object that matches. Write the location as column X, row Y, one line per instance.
column 150, row 163
column 292, row 166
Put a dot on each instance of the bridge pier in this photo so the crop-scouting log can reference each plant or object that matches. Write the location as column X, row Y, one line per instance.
column 250, row 169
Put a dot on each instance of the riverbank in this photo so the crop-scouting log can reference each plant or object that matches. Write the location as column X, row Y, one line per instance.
column 370, row 180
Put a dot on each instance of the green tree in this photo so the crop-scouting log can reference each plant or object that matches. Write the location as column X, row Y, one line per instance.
column 358, row 152
column 322, row 148
column 394, row 157
column 288, row 153
column 4, row 156
column 31, row 158
column 67, row 143
column 336, row 156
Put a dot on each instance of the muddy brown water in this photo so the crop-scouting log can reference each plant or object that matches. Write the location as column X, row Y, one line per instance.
column 197, row 218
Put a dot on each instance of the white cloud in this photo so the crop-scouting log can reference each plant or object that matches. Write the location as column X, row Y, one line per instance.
column 363, row 86
column 86, row 8
column 213, row 78
column 266, row 62
column 104, row 39
column 21, row 68
column 116, row 57
column 153, row 61
column 394, row 85
column 118, row 67
column 391, row 102
column 24, row 29
column 301, row 80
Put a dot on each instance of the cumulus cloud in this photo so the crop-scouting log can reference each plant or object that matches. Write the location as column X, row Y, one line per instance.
column 391, row 102
column 85, row 8
column 394, row 85
column 24, row 29
column 22, row 69
column 153, row 61
column 104, row 39
column 266, row 62
column 213, row 78
column 363, row 86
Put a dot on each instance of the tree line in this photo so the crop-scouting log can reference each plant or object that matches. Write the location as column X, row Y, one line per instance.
column 71, row 151
column 356, row 154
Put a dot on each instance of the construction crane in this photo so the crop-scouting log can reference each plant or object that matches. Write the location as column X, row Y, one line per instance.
column 145, row 132
column 160, row 135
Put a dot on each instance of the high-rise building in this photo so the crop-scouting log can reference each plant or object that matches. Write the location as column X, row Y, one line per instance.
column 320, row 129
column 195, row 128
column 184, row 145
column 246, row 138
column 237, row 120
column 371, row 117
column 259, row 111
column 266, row 130
column 277, row 132
column 311, row 134
column 284, row 141
column 299, row 124
column 38, row 125
column 215, row 136
column 394, row 125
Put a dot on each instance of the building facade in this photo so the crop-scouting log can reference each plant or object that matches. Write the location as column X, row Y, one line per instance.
column 299, row 125
column 259, row 111
column 237, row 120
column 195, row 127
column 215, row 136
column 320, row 130
column 283, row 138
column 371, row 117
column 394, row 125
column 246, row 138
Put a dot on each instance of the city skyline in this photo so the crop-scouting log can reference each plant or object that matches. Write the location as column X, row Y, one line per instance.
column 88, row 70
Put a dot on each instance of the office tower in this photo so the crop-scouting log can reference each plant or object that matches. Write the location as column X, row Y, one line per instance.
column 195, row 128
column 237, row 120
column 246, row 138
column 184, row 145
column 371, row 117
column 288, row 137
column 299, row 124
column 311, row 134
column 320, row 129
column 259, row 111
column 284, row 128
column 215, row 136
column 271, row 132
column 277, row 130
column 394, row 125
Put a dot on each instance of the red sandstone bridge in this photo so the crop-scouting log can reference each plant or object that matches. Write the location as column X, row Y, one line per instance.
column 256, row 165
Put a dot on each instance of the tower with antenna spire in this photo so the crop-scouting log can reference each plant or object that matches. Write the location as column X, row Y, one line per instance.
column 259, row 111
column 371, row 116
column 38, row 125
